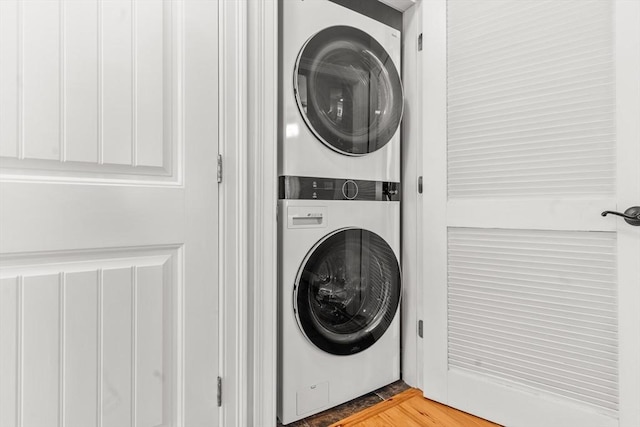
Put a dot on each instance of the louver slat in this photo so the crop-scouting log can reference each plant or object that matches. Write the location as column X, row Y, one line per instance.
column 537, row 309
column 530, row 95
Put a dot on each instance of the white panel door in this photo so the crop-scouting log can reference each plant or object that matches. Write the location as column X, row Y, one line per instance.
column 108, row 213
column 531, row 122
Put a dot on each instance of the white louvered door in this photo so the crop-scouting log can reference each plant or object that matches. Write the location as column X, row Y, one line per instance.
column 531, row 298
column 108, row 213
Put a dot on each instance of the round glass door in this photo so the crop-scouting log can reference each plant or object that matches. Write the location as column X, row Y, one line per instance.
column 348, row 90
column 347, row 291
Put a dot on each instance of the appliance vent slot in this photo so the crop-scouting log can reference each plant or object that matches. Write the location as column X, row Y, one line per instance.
column 536, row 310
column 530, row 98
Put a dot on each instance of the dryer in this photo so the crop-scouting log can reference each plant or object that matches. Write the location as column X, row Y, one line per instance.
column 341, row 99
column 339, row 292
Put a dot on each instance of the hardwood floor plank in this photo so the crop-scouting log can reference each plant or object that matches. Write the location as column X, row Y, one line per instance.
column 376, row 421
column 446, row 415
column 392, row 416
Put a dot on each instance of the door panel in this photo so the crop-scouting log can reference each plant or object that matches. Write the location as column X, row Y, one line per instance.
column 98, row 83
column 528, row 291
column 537, row 308
column 108, row 213
column 530, row 100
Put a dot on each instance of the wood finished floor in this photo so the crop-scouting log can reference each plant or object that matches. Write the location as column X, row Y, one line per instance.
column 396, row 405
column 411, row 409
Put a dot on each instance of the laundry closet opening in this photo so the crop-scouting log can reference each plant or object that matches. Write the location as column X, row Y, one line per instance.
column 341, row 138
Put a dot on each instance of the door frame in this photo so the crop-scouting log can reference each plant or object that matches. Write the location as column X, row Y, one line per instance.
column 627, row 37
column 235, row 277
column 262, row 177
column 248, row 46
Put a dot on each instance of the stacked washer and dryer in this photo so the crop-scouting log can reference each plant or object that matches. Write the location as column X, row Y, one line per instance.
column 341, row 104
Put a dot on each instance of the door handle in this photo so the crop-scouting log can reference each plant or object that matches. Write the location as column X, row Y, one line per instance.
column 631, row 215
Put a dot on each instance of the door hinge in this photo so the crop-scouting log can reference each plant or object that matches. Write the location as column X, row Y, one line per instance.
column 420, row 42
column 419, row 185
column 219, row 391
column 219, row 168
column 420, row 328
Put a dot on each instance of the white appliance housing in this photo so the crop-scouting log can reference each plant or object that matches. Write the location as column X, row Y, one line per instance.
column 303, row 149
column 311, row 379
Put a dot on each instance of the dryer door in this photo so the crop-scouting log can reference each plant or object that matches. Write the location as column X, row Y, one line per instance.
column 347, row 291
column 348, row 90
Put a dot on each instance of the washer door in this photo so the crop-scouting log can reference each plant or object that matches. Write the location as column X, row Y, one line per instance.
column 348, row 90
column 348, row 291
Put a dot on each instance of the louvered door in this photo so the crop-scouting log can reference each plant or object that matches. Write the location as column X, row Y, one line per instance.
column 531, row 297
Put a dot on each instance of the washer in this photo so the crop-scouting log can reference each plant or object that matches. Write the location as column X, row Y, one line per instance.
column 341, row 97
column 339, row 292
